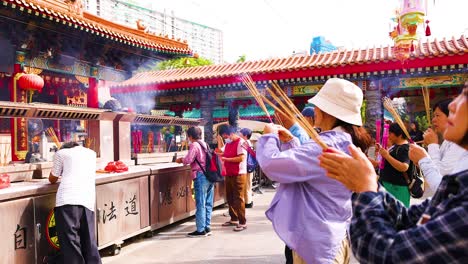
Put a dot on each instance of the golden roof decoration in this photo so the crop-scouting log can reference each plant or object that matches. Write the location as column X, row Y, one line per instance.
column 70, row 12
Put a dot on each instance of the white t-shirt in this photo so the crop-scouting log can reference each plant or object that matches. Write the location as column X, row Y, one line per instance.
column 242, row 151
column 77, row 168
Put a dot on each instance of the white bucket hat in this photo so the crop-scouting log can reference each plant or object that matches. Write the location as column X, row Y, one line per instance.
column 341, row 99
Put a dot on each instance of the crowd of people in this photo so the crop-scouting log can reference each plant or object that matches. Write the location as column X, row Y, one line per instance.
column 353, row 204
column 330, row 203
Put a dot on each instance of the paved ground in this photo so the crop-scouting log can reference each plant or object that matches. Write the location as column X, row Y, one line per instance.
column 257, row 244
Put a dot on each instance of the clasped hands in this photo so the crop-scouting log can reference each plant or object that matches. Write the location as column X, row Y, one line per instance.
column 283, row 133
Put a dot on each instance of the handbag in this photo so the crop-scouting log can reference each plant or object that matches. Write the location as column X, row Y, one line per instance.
column 415, row 181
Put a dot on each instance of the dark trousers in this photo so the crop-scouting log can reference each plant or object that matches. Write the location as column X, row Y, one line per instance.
column 235, row 190
column 288, row 255
column 76, row 234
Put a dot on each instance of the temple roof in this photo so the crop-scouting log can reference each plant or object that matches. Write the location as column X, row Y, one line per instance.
column 249, row 112
column 63, row 13
column 427, row 53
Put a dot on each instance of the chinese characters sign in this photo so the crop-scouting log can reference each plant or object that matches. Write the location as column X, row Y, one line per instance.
column 432, row 81
column 113, row 211
column 20, row 236
column 305, row 89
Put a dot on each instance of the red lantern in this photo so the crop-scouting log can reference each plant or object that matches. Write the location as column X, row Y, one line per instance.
column 31, row 82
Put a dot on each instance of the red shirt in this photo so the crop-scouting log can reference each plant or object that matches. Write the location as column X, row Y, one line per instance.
column 232, row 150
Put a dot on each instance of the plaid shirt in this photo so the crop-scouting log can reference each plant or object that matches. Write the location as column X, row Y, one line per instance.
column 436, row 231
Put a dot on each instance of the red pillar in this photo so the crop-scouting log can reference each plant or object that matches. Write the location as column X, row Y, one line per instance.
column 15, row 123
column 93, row 99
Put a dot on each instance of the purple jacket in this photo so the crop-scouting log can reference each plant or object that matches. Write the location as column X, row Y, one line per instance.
column 310, row 211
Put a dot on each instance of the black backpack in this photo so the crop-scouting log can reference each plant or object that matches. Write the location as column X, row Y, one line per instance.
column 213, row 167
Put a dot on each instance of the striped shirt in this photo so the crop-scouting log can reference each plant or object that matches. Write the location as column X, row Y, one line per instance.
column 383, row 230
column 77, row 169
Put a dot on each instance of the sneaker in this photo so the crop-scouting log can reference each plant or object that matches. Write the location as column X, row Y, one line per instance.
column 208, row 231
column 197, row 234
column 249, row 205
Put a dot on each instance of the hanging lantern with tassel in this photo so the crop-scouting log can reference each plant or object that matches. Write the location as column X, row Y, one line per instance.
column 405, row 35
column 31, row 83
column 428, row 29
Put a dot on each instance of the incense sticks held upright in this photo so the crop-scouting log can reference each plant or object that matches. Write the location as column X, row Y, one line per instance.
column 287, row 108
column 278, row 119
column 427, row 104
column 51, row 132
column 88, row 142
column 388, row 104
column 4, row 152
column 250, row 84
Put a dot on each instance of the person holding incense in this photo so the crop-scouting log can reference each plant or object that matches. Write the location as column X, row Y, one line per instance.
column 447, row 154
column 295, row 129
column 396, row 162
column 382, row 230
column 438, row 161
column 298, row 132
column 310, row 212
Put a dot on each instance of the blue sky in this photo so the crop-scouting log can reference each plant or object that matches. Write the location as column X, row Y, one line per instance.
column 275, row 28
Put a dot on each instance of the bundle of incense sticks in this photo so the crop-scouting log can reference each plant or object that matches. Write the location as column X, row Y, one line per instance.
column 150, row 147
column 88, row 142
column 278, row 119
column 54, row 137
column 378, row 127
column 287, row 108
column 250, row 84
column 427, row 104
column 5, row 156
column 388, row 104
column 4, row 153
column 384, row 144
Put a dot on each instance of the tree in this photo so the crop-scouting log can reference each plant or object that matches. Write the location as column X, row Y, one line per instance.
column 242, row 58
column 182, row 63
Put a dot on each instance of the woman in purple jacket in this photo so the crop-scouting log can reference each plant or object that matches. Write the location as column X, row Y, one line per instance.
column 310, row 212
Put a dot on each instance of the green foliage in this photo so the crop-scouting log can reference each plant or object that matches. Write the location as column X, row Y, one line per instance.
column 422, row 122
column 242, row 58
column 182, row 63
column 170, row 128
column 363, row 111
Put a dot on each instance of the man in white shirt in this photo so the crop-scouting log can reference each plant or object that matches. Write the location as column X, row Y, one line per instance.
column 245, row 134
column 75, row 200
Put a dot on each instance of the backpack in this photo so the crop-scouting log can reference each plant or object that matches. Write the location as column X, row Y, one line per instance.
column 213, row 165
column 252, row 162
column 414, row 179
